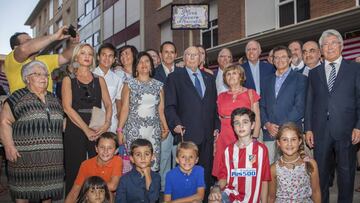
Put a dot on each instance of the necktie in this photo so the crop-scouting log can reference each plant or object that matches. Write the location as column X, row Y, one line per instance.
column 197, row 84
column 332, row 76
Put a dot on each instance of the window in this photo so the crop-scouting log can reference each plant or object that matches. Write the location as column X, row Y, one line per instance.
column 89, row 40
column 293, row 11
column 210, row 36
column 60, row 2
column 88, row 7
column 96, row 3
column 59, row 23
column 96, row 38
column 166, row 32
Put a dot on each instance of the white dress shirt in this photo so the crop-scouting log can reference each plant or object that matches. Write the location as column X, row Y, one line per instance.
column 114, row 85
column 328, row 67
column 220, row 86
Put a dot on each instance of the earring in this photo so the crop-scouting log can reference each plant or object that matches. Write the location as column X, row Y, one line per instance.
column 75, row 64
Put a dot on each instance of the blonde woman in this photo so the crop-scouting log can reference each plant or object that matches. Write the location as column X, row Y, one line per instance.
column 79, row 95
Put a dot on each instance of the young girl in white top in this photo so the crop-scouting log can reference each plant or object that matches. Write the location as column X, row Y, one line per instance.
column 295, row 176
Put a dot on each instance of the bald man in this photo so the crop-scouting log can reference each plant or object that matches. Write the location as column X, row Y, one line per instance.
column 255, row 70
column 311, row 54
column 191, row 111
column 224, row 59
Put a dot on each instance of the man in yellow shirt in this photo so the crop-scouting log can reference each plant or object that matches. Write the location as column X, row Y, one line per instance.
column 25, row 49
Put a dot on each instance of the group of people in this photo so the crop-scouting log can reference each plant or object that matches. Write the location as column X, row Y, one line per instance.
column 234, row 134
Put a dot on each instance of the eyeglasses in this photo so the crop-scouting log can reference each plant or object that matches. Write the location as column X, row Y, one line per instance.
column 46, row 75
column 311, row 51
column 191, row 55
column 282, row 58
column 333, row 43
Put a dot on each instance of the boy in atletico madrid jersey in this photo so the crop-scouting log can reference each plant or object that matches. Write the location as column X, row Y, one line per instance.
column 244, row 168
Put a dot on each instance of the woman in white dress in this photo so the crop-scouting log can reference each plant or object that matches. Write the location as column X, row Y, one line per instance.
column 142, row 111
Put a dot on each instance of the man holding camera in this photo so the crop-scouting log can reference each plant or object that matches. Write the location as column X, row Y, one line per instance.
column 25, row 49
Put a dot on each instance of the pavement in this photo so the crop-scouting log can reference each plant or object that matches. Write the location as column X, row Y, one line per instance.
column 5, row 198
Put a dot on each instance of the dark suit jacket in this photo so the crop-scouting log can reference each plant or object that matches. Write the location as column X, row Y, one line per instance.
column 183, row 106
column 266, row 69
column 160, row 73
column 288, row 106
column 338, row 110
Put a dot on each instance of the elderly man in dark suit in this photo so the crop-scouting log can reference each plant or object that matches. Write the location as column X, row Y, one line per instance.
column 191, row 110
column 332, row 118
column 255, row 70
column 282, row 98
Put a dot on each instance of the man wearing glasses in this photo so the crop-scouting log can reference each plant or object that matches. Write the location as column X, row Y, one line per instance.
column 191, row 111
column 282, row 99
column 312, row 56
column 332, row 116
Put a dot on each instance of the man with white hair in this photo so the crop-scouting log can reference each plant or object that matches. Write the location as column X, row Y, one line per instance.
column 332, row 116
column 191, row 110
column 255, row 70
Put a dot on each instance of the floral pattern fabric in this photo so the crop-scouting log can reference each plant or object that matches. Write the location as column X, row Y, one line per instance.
column 293, row 185
column 143, row 120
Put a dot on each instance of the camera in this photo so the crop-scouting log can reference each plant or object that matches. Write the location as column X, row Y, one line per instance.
column 71, row 31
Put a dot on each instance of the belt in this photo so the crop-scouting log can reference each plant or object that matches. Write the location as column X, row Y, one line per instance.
column 84, row 110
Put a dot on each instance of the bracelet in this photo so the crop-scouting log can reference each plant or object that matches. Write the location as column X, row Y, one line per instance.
column 119, row 130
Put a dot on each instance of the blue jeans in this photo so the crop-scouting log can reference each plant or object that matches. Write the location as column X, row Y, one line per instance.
column 165, row 158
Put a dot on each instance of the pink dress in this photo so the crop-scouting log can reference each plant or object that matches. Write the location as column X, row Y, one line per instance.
column 226, row 104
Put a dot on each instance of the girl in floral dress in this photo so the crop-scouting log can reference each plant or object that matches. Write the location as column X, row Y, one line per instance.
column 294, row 177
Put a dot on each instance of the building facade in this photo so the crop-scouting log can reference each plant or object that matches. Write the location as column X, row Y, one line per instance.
column 48, row 16
column 271, row 22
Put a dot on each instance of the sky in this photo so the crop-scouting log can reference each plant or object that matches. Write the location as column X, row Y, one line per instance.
column 13, row 14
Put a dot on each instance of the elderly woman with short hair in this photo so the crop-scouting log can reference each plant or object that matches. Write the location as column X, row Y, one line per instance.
column 236, row 97
column 31, row 132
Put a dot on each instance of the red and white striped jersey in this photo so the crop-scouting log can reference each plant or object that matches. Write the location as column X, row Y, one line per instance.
column 245, row 169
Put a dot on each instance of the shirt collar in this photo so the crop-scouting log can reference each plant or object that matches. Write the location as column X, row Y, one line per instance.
column 284, row 74
column 300, row 66
column 190, row 72
column 337, row 61
column 166, row 69
column 98, row 70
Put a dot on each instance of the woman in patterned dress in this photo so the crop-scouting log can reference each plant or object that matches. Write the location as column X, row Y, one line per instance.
column 142, row 111
column 31, row 126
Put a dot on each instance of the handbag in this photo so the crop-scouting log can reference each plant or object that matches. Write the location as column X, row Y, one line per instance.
column 97, row 118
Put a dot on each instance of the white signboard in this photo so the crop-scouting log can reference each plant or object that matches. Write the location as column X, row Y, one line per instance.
column 189, row 16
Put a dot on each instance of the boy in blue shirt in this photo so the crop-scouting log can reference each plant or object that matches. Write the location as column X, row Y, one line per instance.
column 140, row 184
column 185, row 183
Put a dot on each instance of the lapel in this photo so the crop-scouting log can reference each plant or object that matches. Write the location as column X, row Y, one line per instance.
column 288, row 79
column 162, row 72
column 207, row 82
column 188, row 82
column 340, row 75
column 272, row 88
column 322, row 75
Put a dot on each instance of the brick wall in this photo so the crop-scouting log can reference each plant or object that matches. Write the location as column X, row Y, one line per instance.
column 324, row 7
column 231, row 20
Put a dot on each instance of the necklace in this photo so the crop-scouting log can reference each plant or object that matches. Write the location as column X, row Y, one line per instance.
column 235, row 93
column 291, row 163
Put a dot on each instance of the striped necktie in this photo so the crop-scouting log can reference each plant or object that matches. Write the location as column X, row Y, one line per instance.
column 332, row 76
